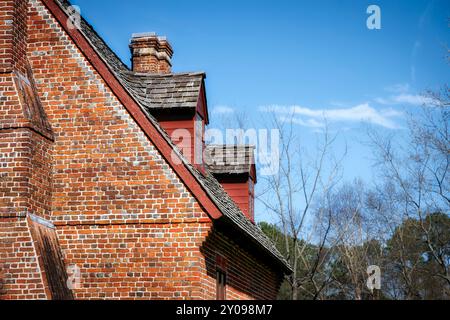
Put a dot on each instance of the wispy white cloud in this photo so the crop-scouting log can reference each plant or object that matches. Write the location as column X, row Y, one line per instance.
column 338, row 104
column 315, row 117
column 398, row 88
column 405, row 99
column 400, row 95
column 311, row 123
column 412, row 99
column 222, row 110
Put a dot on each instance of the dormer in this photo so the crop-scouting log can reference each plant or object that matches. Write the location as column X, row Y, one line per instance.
column 177, row 101
column 184, row 116
column 234, row 167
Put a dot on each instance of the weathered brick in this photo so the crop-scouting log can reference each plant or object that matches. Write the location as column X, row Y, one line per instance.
column 122, row 215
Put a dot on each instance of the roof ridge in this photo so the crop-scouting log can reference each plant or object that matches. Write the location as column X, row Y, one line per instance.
column 172, row 74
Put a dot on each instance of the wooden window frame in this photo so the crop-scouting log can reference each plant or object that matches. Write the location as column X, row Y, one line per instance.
column 221, row 284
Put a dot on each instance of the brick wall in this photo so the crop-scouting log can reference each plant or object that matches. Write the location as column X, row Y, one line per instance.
column 20, row 35
column 25, row 160
column 25, row 173
column 116, row 202
column 13, row 35
column 137, row 261
column 14, row 192
column 20, row 274
column 122, row 215
column 25, row 164
column 6, row 35
column 11, row 111
column 24, row 188
column 247, row 276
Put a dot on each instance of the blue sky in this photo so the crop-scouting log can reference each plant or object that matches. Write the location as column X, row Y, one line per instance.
column 314, row 57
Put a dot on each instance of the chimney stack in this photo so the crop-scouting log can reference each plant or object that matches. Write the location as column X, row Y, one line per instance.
column 13, row 35
column 150, row 53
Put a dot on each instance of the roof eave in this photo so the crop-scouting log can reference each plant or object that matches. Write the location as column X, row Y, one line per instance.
column 234, row 230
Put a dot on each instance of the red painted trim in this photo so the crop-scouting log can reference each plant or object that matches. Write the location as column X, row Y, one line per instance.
column 202, row 105
column 135, row 111
column 253, row 173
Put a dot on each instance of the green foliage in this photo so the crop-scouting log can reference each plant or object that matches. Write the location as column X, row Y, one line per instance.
column 409, row 262
column 414, row 252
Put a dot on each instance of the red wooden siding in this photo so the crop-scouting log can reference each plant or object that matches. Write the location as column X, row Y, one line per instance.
column 242, row 195
column 186, row 144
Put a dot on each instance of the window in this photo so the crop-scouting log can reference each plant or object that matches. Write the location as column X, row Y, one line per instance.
column 221, row 284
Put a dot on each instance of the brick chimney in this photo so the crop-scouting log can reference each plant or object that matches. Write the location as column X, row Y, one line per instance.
column 13, row 35
column 23, row 152
column 150, row 53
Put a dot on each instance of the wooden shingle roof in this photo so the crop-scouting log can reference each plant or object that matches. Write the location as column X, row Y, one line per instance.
column 229, row 159
column 167, row 91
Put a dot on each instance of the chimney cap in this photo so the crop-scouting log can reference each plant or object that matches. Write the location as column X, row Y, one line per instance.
column 146, row 35
column 143, row 35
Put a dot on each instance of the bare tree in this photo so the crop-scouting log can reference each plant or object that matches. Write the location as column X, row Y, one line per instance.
column 348, row 235
column 385, row 207
column 418, row 175
column 291, row 195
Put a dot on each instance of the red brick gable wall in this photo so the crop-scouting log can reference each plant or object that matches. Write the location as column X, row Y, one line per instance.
column 108, row 176
column 137, row 261
column 122, row 215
